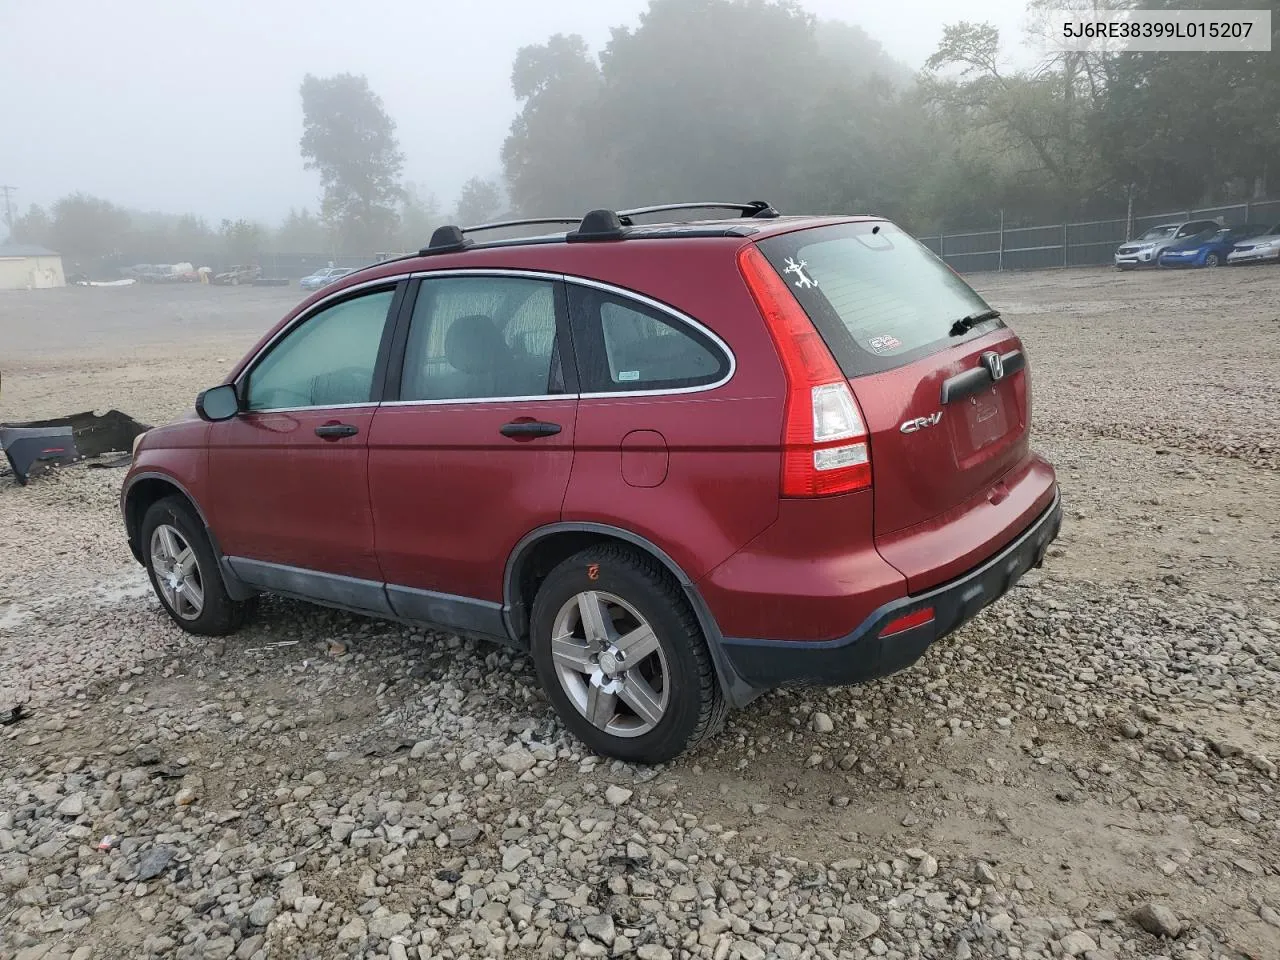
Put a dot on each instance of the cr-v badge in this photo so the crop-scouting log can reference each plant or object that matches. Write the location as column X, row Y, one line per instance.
column 919, row 423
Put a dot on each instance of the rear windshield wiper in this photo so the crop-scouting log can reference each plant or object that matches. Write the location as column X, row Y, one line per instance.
column 965, row 324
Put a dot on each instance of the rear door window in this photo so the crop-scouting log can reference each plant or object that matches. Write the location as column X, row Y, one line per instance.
column 624, row 345
column 879, row 297
column 482, row 337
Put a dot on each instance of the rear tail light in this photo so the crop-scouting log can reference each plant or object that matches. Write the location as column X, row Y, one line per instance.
column 824, row 446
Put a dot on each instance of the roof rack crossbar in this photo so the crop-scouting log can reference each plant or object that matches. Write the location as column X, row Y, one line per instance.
column 746, row 209
column 534, row 221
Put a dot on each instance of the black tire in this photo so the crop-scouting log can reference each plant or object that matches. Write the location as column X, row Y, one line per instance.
column 220, row 614
column 1212, row 260
column 695, row 709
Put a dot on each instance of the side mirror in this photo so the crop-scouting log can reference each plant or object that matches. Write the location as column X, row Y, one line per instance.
column 218, row 403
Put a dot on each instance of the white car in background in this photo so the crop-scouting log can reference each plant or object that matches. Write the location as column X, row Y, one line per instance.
column 1257, row 249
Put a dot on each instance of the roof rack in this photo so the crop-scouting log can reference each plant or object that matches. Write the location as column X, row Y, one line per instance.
column 599, row 224
column 756, row 208
column 450, row 238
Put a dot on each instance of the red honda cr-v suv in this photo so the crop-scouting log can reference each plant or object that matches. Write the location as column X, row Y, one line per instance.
column 680, row 463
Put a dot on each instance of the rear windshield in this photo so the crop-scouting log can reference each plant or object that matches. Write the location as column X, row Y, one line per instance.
column 878, row 297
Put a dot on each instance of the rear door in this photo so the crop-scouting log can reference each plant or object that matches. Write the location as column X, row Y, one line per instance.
column 947, row 405
column 474, row 446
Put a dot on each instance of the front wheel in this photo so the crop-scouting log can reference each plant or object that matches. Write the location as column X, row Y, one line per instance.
column 620, row 654
column 1212, row 260
column 184, row 571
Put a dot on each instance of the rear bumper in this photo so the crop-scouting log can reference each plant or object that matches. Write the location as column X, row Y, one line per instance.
column 864, row 654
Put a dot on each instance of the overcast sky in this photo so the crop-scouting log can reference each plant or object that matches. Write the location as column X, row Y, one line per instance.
column 165, row 105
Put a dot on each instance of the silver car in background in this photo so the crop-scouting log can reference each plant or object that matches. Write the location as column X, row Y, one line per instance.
column 1145, row 250
column 1257, row 249
column 323, row 277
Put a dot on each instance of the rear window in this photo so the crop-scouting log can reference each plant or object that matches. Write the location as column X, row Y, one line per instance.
column 879, row 298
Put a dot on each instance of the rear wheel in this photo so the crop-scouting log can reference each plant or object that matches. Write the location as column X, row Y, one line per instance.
column 620, row 654
column 184, row 571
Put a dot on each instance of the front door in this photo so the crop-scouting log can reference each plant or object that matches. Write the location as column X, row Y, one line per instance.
column 476, row 449
column 289, row 474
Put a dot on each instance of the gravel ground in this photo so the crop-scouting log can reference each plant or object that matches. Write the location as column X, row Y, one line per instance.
column 1086, row 770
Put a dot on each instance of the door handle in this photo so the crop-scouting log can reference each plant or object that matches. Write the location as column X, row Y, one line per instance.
column 336, row 431
column 529, row 429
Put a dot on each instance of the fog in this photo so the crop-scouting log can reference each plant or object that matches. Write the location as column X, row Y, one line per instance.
column 157, row 105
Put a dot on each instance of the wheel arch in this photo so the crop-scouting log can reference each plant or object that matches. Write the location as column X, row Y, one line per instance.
column 147, row 488
column 539, row 551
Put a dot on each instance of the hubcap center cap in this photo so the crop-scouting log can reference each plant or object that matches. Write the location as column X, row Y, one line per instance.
column 610, row 662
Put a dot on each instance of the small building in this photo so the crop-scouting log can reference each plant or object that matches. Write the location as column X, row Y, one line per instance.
column 27, row 267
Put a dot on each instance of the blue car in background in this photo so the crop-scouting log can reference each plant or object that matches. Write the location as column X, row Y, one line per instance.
column 1208, row 248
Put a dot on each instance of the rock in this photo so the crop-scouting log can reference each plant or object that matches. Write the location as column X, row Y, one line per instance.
column 1158, row 919
column 748, row 950
column 397, row 951
column 146, row 754
column 928, row 866
column 1077, row 943
column 72, row 806
column 616, row 796
column 155, row 862
column 262, row 912
column 822, row 723
column 1269, row 915
column 513, row 856
column 983, row 873
column 712, row 924
column 600, row 926
column 862, row 922
column 353, row 930
column 517, row 760
column 652, row 951
column 389, row 925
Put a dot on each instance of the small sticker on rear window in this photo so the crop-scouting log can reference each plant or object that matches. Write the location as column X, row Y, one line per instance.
column 884, row 344
column 803, row 279
column 624, row 375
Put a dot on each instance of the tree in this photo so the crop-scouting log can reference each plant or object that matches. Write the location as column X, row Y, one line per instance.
column 553, row 160
column 480, row 200
column 34, row 227
column 85, row 227
column 242, row 240
column 1035, row 121
column 704, row 99
column 351, row 141
column 1191, row 127
column 301, row 232
column 419, row 215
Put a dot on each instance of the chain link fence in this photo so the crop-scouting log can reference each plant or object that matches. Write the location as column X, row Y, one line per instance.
column 1088, row 244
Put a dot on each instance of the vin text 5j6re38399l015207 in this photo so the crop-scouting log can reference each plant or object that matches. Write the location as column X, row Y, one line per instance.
column 681, row 463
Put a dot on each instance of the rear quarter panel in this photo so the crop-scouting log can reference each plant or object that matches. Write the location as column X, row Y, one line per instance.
column 722, row 445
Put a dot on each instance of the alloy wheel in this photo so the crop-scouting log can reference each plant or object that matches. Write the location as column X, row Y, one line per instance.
column 610, row 664
column 177, row 571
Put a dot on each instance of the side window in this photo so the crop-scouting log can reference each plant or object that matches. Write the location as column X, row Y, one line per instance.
column 474, row 338
column 326, row 361
column 624, row 345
